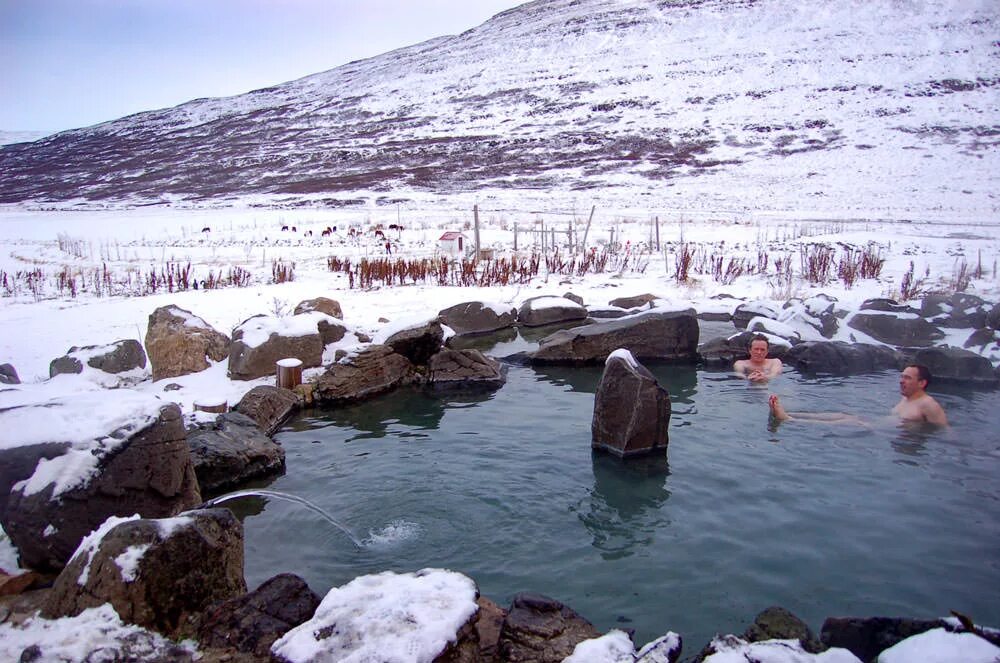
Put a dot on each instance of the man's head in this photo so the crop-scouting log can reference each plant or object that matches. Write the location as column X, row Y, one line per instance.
column 914, row 380
column 758, row 347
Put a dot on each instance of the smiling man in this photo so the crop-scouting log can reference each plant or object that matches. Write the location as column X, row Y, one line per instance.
column 759, row 367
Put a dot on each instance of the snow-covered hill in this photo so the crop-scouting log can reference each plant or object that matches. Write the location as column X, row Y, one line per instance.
column 844, row 106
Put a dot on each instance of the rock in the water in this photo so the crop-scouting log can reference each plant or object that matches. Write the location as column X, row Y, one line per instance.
column 867, row 637
column 8, row 375
column 429, row 615
column 179, row 342
column 144, row 467
column 418, row 344
column 656, row 335
column 374, row 370
column 953, row 365
column 260, row 341
column 776, row 623
column 636, row 301
column 541, row 630
column 631, row 409
column 465, row 368
column 548, row 310
column 268, row 406
column 230, row 451
column 957, row 310
column 747, row 311
column 155, row 573
column 325, row 305
column 252, row 622
column 478, row 317
column 900, row 329
column 840, row 358
column 117, row 357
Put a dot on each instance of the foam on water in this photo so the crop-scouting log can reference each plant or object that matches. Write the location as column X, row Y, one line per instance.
column 394, row 533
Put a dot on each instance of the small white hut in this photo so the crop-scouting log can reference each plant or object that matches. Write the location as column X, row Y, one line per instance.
column 452, row 243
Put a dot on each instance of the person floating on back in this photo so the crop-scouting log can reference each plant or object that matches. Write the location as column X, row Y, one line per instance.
column 915, row 405
column 759, row 367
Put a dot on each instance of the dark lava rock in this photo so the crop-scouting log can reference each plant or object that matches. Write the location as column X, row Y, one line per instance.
column 231, row 451
column 541, row 630
column 631, row 410
column 268, row 406
column 840, row 358
column 655, row 335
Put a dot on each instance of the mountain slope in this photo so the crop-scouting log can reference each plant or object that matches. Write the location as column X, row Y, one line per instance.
column 719, row 103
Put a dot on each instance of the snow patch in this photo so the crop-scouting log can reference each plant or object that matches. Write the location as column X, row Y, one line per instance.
column 128, row 561
column 88, row 546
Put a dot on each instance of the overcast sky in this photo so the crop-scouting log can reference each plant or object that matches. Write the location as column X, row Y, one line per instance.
column 72, row 63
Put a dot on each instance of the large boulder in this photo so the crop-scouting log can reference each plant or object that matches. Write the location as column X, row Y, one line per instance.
column 230, row 451
column 656, row 335
column 886, row 306
column 8, row 375
column 118, row 357
column 252, row 622
column 840, row 358
column 900, row 329
column 268, row 406
column 179, row 342
column 116, row 461
column 817, row 312
column 747, row 311
column 957, row 310
column 541, row 630
column 631, row 409
column 867, row 637
column 259, row 342
column 548, row 310
column 372, row 371
column 429, row 615
column 155, row 573
column 418, row 343
column 465, row 368
column 777, row 623
column 636, row 301
column 949, row 364
column 478, row 317
column 724, row 351
column 330, row 307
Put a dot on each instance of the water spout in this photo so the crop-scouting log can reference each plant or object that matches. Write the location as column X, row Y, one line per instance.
column 291, row 498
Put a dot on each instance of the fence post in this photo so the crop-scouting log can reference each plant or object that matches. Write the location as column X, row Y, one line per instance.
column 289, row 373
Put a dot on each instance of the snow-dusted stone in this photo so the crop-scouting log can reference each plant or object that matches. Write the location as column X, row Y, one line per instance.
column 942, row 646
column 542, row 630
column 268, row 406
column 747, row 311
column 117, row 357
column 982, row 339
column 954, row 365
column 899, row 329
column 731, row 649
column 777, row 623
column 8, row 375
column 840, row 358
column 636, row 301
column 573, row 298
column 955, row 311
column 252, row 622
column 548, row 310
column 155, row 573
column 818, row 312
column 421, row 617
column 478, row 317
column 179, row 342
column 723, row 351
column 418, row 343
column 887, row 306
column 616, row 647
column 230, row 451
column 867, row 637
column 762, row 325
column 993, row 317
column 325, row 305
column 631, row 409
column 374, row 370
column 656, row 335
column 465, row 368
column 259, row 342
column 606, row 312
column 107, row 454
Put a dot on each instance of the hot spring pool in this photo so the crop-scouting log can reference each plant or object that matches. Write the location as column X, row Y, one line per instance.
column 821, row 519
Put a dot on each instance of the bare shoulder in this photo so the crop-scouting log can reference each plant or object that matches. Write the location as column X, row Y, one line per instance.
column 932, row 410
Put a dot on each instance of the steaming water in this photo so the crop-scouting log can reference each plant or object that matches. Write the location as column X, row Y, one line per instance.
column 824, row 520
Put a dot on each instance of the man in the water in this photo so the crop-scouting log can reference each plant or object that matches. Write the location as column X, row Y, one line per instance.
column 758, row 368
column 916, row 405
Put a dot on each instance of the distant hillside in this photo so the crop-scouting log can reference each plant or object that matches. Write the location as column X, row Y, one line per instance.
column 842, row 104
column 9, row 137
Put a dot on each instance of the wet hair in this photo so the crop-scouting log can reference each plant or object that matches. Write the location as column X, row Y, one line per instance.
column 759, row 337
column 923, row 372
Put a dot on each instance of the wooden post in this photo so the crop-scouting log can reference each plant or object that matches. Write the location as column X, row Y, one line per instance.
column 515, row 237
column 587, row 231
column 657, row 233
column 213, row 406
column 289, row 373
column 475, row 215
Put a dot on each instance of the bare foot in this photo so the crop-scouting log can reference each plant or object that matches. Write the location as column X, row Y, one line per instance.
column 777, row 409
